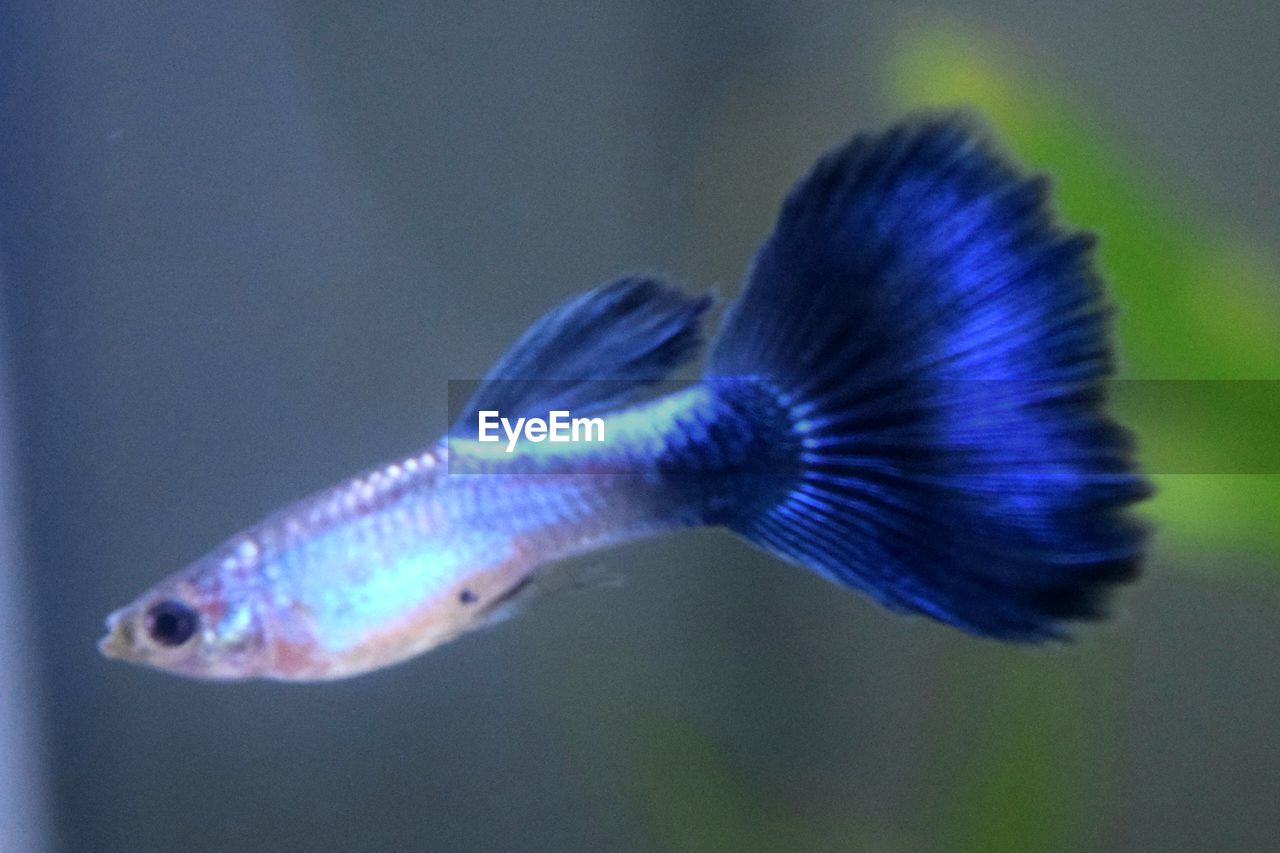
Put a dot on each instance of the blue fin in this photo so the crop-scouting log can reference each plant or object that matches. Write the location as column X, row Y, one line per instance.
column 594, row 352
column 941, row 347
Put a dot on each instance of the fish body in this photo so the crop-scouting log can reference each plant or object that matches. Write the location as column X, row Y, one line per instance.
column 404, row 557
column 906, row 399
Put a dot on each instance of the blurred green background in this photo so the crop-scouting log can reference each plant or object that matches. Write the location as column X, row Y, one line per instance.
column 247, row 245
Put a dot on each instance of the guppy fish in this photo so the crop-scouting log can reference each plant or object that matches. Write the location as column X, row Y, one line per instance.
column 907, row 398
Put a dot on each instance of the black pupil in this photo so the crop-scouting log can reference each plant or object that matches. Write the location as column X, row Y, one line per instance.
column 171, row 623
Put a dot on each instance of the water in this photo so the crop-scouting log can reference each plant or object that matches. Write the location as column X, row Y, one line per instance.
column 246, row 248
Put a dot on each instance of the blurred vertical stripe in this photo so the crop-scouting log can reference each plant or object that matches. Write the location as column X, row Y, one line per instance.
column 23, row 809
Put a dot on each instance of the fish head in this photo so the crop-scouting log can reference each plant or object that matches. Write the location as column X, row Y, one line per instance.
column 203, row 622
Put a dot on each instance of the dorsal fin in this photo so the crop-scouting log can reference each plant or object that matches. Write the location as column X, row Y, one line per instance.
column 594, row 352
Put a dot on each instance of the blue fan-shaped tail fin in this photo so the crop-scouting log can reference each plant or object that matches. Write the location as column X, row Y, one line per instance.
column 941, row 348
column 594, row 352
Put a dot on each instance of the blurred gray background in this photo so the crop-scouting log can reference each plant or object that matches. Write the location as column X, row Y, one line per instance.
column 246, row 245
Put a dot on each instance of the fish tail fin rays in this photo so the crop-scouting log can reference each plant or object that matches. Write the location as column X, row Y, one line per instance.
column 941, row 347
column 595, row 352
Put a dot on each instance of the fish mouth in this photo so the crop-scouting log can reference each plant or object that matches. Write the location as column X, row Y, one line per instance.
column 118, row 643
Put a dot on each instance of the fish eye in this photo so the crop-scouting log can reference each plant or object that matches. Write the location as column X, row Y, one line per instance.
column 171, row 623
